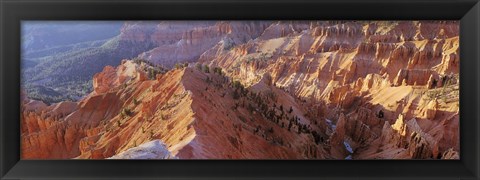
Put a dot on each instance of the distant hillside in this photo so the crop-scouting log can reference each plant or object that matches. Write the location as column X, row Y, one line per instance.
column 70, row 73
column 42, row 35
column 63, row 56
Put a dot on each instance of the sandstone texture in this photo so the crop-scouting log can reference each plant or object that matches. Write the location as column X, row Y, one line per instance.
column 272, row 90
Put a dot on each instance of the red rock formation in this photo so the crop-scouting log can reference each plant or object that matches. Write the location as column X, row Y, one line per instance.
column 450, row 154
column 133, row 111
column 391, row 88
column 178, row 42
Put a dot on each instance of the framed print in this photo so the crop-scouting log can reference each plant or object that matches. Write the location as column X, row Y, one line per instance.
column 239, row 89
column 276, row 89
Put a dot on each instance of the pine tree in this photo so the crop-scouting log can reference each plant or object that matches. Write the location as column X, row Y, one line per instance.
column 198, row 66
column 235, row 94
column 207, row 69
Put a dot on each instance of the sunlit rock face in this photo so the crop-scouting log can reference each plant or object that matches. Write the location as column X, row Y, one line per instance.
column 273, row 90
column 177, row 41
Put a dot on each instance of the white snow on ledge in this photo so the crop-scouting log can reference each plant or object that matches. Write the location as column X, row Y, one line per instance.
column 332, row 126
column 150, row 150
column 349, row 157
column 348, row 147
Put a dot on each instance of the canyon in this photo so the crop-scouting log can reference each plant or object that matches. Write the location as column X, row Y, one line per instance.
column 264, row 90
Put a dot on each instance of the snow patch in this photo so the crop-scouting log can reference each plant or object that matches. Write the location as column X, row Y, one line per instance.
column 150, row 150
column 349, row 157
column 329, row 123
column 348, row 147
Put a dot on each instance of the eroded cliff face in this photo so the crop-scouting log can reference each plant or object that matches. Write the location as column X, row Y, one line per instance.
column 279, row 90
column 178, row 41
column 362, row 69
column 190, row 111
column 125, row 110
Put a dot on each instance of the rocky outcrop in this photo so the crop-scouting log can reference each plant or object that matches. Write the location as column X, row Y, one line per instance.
column 451, row 154
column 431, row 109
column 410, row 136
column 418, row 147
column 412, row 77
column 369, row 117
column 340, row 131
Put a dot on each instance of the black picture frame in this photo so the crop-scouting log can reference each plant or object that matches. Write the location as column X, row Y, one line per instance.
column 12, row 12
